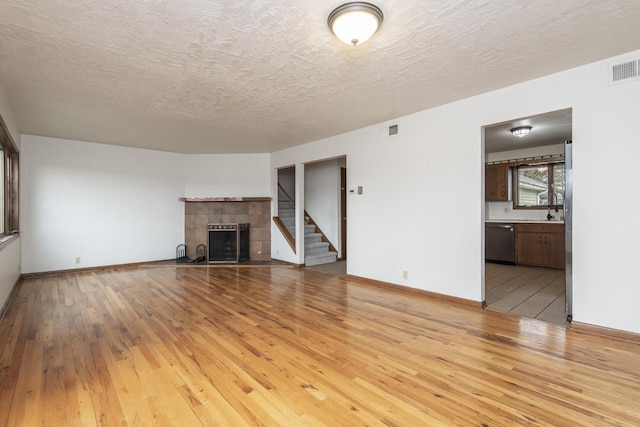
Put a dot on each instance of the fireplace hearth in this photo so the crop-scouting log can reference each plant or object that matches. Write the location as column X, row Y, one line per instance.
column 228, row 243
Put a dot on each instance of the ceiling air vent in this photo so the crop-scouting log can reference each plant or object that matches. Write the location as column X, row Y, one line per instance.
column 625, row 72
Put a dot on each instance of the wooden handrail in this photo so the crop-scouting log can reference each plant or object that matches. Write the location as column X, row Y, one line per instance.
column 293, row 203
column 324, row 237
column 308, row 219
column 287, row 236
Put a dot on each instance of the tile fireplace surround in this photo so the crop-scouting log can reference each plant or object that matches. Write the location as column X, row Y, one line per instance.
column 198, row 212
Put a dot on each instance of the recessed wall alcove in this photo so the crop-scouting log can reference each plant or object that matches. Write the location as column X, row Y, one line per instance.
column 198, row 212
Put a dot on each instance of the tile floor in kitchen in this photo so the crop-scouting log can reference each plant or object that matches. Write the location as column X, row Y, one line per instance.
column 537, row 293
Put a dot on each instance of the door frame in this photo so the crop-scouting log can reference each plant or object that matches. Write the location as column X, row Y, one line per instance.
column 343, row 213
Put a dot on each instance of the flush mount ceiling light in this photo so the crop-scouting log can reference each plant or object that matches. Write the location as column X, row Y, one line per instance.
column 355, row 22
column 521, row 131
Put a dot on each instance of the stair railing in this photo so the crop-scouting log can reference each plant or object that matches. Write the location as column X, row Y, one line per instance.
column 287, row 196
column 307, row 219
column 310, row 221
column 276, row 219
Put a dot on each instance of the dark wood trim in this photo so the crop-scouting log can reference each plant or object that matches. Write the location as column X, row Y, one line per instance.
column 12, row 220
column 10, row 180
column 288, row 264
column 343, row 213
column 95, row 268
column 5, row 137
column 285, row 233
column 225, row 199
column 12, row 295
column 409, row 291
column 587, row 328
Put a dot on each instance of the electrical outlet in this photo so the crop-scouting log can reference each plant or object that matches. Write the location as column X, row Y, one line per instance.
column 405, row 274
column 77, row 260
column 277, row 251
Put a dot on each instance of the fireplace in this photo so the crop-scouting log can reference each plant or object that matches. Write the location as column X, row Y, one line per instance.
column 228, row 243
column 200, row 212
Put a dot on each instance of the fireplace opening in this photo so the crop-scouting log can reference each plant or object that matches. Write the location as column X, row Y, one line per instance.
column 228, row 243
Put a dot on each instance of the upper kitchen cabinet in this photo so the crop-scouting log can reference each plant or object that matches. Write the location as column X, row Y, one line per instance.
column 496, row 183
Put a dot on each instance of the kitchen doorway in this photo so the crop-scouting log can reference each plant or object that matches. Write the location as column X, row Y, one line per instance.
column 527, row 216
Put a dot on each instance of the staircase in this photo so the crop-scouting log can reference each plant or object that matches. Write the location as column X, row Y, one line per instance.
column 315, row 250
column 287, row 214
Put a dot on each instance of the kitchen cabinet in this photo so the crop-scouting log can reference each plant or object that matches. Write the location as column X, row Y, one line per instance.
column 496, row 183
column 540, row 245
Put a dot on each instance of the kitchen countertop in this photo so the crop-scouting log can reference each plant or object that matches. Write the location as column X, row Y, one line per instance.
column 524, row 221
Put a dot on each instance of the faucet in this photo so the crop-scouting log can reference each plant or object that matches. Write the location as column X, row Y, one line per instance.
column 549, row 216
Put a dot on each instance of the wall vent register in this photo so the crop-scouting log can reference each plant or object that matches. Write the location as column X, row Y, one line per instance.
column 624, row 72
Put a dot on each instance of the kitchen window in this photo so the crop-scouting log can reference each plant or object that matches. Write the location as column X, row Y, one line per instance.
column 539, row 186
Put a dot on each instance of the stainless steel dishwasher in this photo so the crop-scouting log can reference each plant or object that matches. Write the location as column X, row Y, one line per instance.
column 500, row 242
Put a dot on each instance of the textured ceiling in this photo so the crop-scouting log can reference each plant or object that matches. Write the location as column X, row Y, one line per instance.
column 203, row 76
column 546, row 129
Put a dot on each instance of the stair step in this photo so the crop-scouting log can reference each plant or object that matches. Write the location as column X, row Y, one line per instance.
column 315, row 253
column 320, row 259
column 316, row 245
column 309, row 228
column 312, row 238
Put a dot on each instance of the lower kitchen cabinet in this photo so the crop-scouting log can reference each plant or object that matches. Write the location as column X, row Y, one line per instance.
column 540, row 245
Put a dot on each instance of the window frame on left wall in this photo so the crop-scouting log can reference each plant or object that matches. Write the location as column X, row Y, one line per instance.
column 10, row 182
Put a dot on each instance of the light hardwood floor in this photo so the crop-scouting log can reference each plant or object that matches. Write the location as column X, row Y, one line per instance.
column 537, row 293
column 170, row 345
column 338, row 268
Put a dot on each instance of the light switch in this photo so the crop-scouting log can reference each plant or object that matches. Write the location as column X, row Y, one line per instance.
column 360, row 189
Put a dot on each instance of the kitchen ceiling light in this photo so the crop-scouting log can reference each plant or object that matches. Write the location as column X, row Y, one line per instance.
column 355, row 22
column 521, row 131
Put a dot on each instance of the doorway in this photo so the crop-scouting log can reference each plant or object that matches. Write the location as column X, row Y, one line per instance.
column 325, row 207
column 528, row 195
column 343, row 213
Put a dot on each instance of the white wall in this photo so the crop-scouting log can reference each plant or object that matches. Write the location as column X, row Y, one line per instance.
column 115, row 205
column 423, row 191
column 9, row 269
column 227, row 175
column 322, row 197
column 104, row 204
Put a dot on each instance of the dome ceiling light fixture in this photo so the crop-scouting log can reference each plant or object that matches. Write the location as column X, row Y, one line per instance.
column 521, row 131
column 355, row 22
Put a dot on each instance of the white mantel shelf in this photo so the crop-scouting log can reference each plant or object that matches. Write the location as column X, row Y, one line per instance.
column 225, row 199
